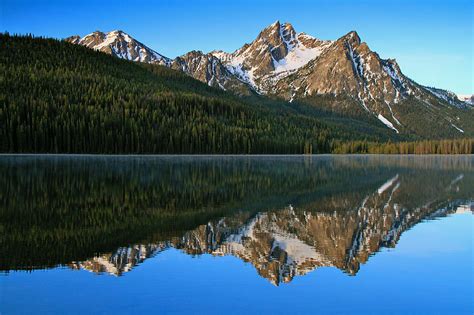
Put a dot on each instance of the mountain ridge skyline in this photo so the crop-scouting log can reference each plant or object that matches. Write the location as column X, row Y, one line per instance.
column 434, row 48
column 217, row 50
column 462, row 96
column 289, row 65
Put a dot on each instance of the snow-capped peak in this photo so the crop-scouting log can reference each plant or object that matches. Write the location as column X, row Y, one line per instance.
column 120, row 44
column 277, row 52
column 299, row 52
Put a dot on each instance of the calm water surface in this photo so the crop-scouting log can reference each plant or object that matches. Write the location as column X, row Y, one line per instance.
column 329, row 235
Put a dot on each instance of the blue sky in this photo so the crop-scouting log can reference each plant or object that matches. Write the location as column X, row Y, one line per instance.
column 431, row 40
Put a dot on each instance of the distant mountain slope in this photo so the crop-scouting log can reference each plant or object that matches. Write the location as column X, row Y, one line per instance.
column 204, row 67
column 209, row 69
column 469, row 99
column 281, row 63
column 276, row 52
column 69, row 99
column 120, row 44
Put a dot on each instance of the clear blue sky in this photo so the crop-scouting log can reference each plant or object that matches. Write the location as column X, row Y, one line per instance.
column 431, row 40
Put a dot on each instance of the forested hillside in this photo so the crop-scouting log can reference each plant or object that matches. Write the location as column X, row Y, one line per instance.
column 57, row 97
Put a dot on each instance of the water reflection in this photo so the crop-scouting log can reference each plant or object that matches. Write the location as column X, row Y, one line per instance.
column 284, row 215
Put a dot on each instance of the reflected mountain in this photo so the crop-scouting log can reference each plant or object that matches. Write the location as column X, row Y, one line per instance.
column 284, row 215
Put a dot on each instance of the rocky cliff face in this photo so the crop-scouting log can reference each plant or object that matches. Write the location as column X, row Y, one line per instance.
column 277, row 52
column 209, row 69
column 350, row 67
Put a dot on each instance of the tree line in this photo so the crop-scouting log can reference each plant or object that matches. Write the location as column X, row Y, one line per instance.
column 452, row 146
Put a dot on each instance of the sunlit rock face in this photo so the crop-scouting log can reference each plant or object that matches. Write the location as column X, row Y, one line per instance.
column 209, row 69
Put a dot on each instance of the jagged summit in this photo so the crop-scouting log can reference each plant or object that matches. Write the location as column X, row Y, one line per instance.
column 352, row 36
column 278, row 50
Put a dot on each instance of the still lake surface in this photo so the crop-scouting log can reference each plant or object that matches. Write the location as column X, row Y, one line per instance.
column 269, row 234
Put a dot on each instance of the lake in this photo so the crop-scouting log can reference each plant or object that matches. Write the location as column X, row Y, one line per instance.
column 236, row 234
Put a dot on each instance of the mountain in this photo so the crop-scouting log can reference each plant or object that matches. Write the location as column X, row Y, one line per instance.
column 466, row 98
column 120, row 44
column 451, row 98
column 288, row 243
column 343, row 76
column 203, row 67
column 209, row 69
column 70, row 99
column 295, row 66
column 276, row 52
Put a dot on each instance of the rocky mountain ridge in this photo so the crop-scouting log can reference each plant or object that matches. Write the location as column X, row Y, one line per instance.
column 295, row 66
column 120, row 44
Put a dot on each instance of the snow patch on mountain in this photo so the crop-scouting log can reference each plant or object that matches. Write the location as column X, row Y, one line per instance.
column 298, row 252
column 298, row 54
column 386, row 122
column 237, row 68
column 296, row 58
column 457, row 128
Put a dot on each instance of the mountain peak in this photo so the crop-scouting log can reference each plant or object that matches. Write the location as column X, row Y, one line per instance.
column 352, row 37
column 275, row 24
column 288, row 34
column 120, row 44
column 286, row 26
